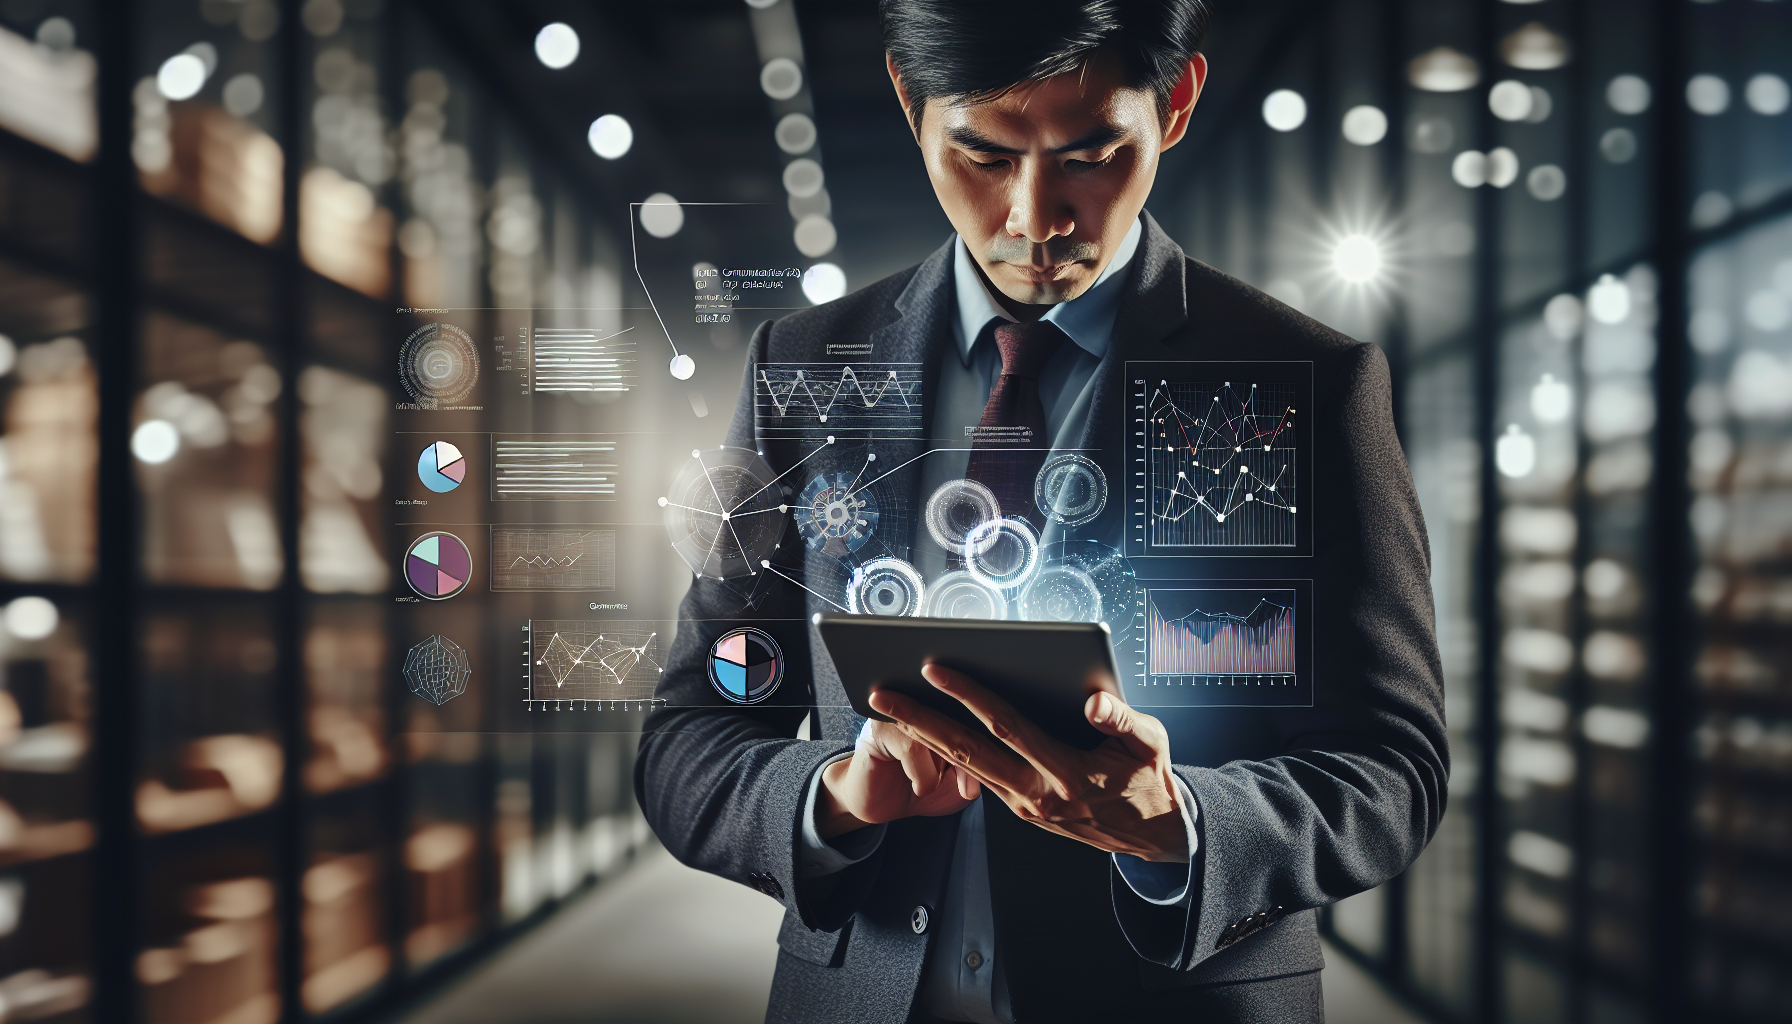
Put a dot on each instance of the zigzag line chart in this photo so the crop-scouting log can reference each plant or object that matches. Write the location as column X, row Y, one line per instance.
column 573, row 660
column 1222, row 465
column 529, row 559
column 797, row 399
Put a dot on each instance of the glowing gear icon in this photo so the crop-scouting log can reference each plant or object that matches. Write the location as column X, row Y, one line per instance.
column 833, row 517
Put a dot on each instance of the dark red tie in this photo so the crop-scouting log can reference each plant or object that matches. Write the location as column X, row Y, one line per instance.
column 1010, row 443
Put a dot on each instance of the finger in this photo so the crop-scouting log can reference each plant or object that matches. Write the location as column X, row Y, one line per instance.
column 968, row 786
column 1053, row 760
column 991, row 763
column 920, row 764
column 1143, row 735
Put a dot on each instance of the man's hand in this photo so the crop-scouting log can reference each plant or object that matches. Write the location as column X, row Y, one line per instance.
column 890, row 776
column 1118, row 797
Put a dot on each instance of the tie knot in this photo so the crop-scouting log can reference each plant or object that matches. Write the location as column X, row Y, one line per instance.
column 1026, row 348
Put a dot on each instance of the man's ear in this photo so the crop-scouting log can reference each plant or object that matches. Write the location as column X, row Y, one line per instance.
column 1183, row 99
column 908, row 113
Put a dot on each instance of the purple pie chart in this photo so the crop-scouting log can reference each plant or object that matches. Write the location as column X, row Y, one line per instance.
column 438, row 566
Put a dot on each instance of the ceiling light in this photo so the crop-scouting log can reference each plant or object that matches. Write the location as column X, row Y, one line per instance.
column 30, row 618
column 181, row 76
column 824, row 282
column 1628, row 94
column 1708, row 95
column 1357, row 259
column 1768, row 95
column 661, row 216
column 155, row 442
column 1609, row 300
column 795, row 134
column 1443, row 70
column 815, row 236
column 1516, row 453
column 610, row 136
column 557, row 45
column 1365, row 125
column 781, row 78
column 1510, row 100
column 1284, row 110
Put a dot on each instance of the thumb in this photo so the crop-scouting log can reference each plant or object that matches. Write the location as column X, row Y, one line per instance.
column 1112, row 717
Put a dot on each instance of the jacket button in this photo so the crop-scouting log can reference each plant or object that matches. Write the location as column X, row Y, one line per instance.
column 917, row 920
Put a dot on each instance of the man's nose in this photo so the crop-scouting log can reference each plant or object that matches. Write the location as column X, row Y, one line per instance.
column 1037, row 211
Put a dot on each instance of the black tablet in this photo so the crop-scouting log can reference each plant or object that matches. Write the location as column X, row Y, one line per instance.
column 1047, row 670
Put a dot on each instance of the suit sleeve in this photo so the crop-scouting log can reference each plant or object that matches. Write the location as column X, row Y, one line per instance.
column 723, row 785
column 1360, row 785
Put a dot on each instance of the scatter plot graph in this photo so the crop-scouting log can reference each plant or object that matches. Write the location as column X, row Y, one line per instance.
column 526, row 559
column 808, row 399
column 437, row 670
column 1222, row 458
column 1224, row 646
column 587, row 660
column 1222, row 464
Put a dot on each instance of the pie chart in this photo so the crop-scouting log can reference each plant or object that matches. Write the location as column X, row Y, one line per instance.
column 746, row 666
column 441, row 467
column 437, row 566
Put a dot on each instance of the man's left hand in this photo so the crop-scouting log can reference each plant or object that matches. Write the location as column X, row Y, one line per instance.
column 1118, row 797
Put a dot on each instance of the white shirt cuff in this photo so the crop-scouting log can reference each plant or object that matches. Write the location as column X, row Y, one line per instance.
column 1166, row 885
column 818, row 857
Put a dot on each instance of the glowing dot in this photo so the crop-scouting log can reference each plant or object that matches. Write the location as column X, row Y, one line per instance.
column 662, row 503
column 557, row 45
column 683, row 366
column 610, row 136
column 1357, row 259
column 30, row 618
column 155, row 442
column 181, row 76
column 1221, row 517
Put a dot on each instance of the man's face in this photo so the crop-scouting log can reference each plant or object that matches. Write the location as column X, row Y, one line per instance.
column 1044, row 182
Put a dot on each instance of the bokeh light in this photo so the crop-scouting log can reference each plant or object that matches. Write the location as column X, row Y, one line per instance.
column 1284, row 110
column 557, row 45
column 610, row 136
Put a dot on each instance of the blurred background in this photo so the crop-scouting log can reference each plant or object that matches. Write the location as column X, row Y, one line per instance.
column 1567, row 222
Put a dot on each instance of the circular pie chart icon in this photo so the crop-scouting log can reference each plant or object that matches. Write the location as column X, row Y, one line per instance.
column 441, row 467
column 437, row 566
column 746, row 666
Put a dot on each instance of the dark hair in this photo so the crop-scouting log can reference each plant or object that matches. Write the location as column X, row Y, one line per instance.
column 978, row 50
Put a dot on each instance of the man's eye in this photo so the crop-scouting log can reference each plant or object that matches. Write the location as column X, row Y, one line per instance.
column 1087, row 164
column 991, row 164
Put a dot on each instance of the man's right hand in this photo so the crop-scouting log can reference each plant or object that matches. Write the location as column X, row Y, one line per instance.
column 890, row 776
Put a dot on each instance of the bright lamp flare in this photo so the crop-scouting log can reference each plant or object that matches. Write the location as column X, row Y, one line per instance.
column 1357, row 259
column 557, row 45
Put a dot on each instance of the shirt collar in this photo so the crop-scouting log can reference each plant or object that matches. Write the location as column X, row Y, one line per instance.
column 1088, row 319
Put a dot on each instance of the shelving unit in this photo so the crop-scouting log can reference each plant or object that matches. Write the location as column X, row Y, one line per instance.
column 219, row 803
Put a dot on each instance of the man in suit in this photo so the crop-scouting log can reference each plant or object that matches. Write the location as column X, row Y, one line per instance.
column 930, row 872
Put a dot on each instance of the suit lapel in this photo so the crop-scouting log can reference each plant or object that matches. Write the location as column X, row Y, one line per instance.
column 919, row 335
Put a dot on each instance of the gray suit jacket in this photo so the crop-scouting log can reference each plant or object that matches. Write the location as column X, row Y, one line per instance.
column 1299, row 807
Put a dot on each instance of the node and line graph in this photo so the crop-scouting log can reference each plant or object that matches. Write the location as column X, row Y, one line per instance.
column 1223, row 459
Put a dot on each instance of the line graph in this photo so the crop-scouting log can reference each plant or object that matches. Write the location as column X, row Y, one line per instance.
column 800, row 399
column 1224, row 643
column 587, row 660
column 526, row 559
column 1221, row 464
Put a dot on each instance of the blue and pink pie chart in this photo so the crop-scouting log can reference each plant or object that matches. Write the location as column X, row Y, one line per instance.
column 438, row 566
column 745, row 665
column 441, row 467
